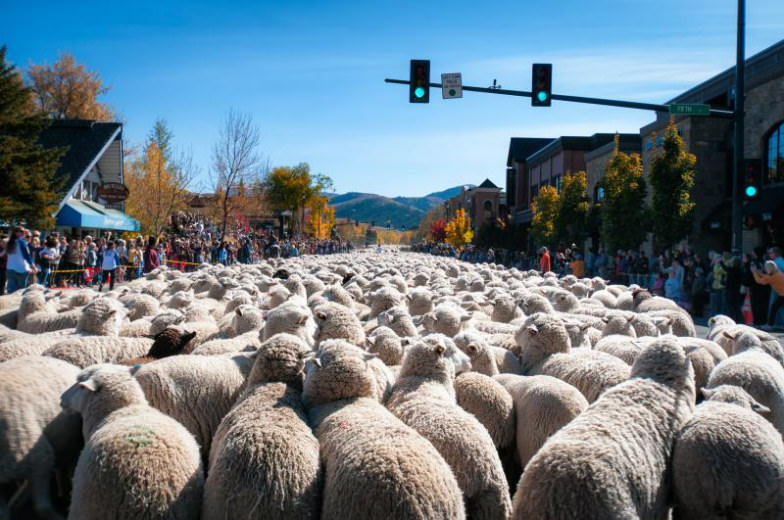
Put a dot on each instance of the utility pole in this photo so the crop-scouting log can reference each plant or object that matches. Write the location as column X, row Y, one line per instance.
column 740, row 95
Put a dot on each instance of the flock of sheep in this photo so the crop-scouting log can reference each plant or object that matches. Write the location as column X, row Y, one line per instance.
column 382, row 386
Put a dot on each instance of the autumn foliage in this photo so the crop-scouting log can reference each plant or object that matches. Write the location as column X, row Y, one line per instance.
column 438, row 231
column 458, row 230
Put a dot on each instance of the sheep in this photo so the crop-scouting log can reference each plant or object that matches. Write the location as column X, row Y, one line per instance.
column 424, row 398
column 611, row 461
column 293, row 318
column 27, row 345
column 264, row 459
column 374, row 465
column 35, row 317
column 446, row 319
column 399, row 320
column 383, row 299
column 728, row 462
column 420, row 301
column 681, row 322
column 505, row 309
column 386, row 344
column 545, row 350
column 543, row 405
column 337, row 321
column 625, row 348
column 137, row 462
column 36, row 433
column 490, row 403
column 165, row 319
column 101, row 317
column 506, row 360
column 757, row 373
column 90, row 350
column 481, row 354
column 141, row 306
column 137, row 328
column 196, row 390
column 248, row 342
column 644, row 301
column 167, row 343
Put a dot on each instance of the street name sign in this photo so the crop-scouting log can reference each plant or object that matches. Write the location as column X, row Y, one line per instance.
column 452, row 85
column 689, row 109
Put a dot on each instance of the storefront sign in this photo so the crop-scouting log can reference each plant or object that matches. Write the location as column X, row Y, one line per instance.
column 113, row 192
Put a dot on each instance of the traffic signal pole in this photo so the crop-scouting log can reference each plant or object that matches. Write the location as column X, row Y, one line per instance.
column 573, row 99
column 740, row 95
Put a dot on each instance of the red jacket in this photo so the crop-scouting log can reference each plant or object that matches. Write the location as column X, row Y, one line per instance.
column 544, row 262
column 150, row 259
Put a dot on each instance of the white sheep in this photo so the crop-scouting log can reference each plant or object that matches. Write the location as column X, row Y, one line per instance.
column 137, row 462
column 36, row 433
column 293, row 318
column 424, row 398
column 612, row 460
column 264, row 459
column 490, row 403
column 375, row 466
column 728, row 462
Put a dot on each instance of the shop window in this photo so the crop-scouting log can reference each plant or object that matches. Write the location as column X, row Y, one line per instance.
column 774, row 168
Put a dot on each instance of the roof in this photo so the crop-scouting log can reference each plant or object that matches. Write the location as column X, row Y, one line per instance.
column 85, row 141
column 522, row 147
column 571, row 142
column 488, row 184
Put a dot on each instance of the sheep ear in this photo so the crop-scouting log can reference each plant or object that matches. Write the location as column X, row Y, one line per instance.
column 532, row 330
column 238, row 311
column 391, row 318
column 320, row 315
column 466, row 317
column 302, row 320
column 630, row 319
column 472, row 348
column 605, row 319
column 316, row 361
column 670, row 320
column 371, row 341
column 264, row 315
column 89, row 385
column 760, row 408
column 409, row 297
column 711, row 321
column 585, row 326
column 439, row 349
column 707, row 392
column 111, row 313
column 405, row 341
column 727, row 335
column 188, row 336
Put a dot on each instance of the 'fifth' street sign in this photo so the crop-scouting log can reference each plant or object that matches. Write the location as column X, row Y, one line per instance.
column 452, row 85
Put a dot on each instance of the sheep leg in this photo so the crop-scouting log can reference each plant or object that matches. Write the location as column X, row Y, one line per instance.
column 42, row 502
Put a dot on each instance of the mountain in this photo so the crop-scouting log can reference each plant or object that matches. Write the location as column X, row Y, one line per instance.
column 400, row 211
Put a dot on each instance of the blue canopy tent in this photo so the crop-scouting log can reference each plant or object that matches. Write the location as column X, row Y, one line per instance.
column 91, row 215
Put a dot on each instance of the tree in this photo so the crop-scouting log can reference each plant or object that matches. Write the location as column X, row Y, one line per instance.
column 30, row 189
column 624, row 214
column 458, row 230
column 157, row 184
column 438, row 231
column 235, row 161
column 571, row 219
column 322, row 217
column 671, row 178
column 426, row 224
column 545, row 208
column 66, row 90
column 292, row 188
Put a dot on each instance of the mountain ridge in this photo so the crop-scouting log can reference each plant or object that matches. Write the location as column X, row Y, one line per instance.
column 399, row 212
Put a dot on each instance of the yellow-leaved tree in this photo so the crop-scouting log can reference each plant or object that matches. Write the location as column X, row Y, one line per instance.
column 157, row 183
column 458, row 230
column 322, row 217
column 545, row 209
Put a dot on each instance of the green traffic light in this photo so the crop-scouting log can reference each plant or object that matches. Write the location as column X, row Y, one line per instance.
column 419, row 92
column 751, row 191
column 541, row 96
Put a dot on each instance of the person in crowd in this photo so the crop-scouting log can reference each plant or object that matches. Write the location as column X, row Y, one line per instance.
column 734, row 296
column 49, row 257
column 774, row 277
column 19, row 261
column 109, row 264
column 544, row 261
column 718, row 285
column 151, row 260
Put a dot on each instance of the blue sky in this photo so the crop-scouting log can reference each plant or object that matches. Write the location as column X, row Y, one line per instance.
column 311, row 73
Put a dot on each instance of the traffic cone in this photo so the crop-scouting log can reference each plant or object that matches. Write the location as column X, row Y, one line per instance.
column 748, row 317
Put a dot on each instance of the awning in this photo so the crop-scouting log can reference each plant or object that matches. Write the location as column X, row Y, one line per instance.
column 91, row 215
column 769, row 200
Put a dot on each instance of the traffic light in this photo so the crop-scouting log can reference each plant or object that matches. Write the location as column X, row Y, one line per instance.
column 541, row 84
column 751, row 178
column 419, row 85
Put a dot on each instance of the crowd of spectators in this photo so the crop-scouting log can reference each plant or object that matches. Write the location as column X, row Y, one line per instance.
column 748, row 288
column 56, row 260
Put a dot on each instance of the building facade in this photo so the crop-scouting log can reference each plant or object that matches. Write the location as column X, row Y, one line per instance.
column 94, row 158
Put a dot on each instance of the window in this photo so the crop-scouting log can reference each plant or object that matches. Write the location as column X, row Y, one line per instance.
column 556, row 182
column 598, row 194
column 774, row 168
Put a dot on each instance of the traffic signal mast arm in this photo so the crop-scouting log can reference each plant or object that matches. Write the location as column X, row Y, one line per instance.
column 574, row 99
